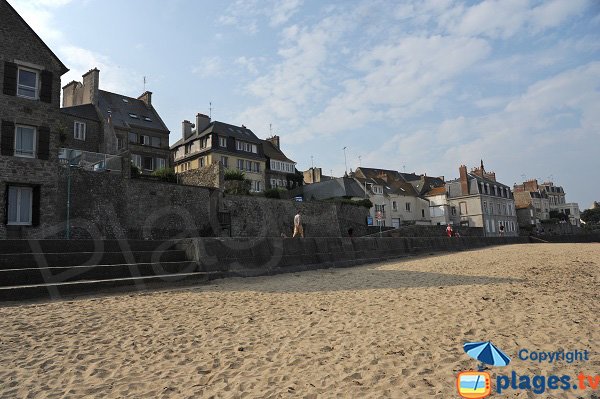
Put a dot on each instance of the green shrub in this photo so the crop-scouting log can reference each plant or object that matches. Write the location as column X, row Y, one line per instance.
column 166, row 174
column 272, row 193
column 135, row 171
column 233, row 174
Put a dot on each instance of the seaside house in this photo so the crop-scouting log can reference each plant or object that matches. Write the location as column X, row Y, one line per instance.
column 100, row 121
column 477, row 199
column 280, row 171
column 207, row 142
column 29, row 128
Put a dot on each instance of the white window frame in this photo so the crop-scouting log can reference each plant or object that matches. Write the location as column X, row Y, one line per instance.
column 19, row 191
column 222, row 141
column 394, row 206
column 36, row 89
column 144, row 139
column 34, row 149
column 161, row 163
column 136, row 160
column 407, row 206
column 79, row 129
column 144, row 166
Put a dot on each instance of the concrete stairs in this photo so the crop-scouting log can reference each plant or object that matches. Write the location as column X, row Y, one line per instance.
column 52, row 269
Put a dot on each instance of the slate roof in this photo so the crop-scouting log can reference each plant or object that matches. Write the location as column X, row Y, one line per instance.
column 436, row 191
column 223, row 129
column 334, row 188
column 121, row 106
column 395, row 184
column 273, row 152
column 85, row 111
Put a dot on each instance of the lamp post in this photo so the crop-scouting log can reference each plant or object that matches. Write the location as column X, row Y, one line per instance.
column 65, row 162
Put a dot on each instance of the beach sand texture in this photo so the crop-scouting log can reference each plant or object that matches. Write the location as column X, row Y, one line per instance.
column 393, row 330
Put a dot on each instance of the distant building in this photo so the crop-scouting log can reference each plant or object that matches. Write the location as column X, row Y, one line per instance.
column 544, row 198
column 315, row 175
column 207, row 142
column 439, row 210
column 394, row 199
column 557, row 198
column 477, row 199
column 111, row 123
column 280, row 171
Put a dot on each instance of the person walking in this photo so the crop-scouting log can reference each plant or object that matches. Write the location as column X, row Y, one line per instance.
column 449, row 230
column 501, row 230
column 298, row 226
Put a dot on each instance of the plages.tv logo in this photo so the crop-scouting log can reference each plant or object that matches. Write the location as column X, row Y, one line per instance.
column 477, row 384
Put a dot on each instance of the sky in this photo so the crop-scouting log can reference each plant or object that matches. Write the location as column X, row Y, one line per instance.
column 417, row 86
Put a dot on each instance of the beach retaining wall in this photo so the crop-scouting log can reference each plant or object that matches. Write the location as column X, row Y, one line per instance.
column 264, row 256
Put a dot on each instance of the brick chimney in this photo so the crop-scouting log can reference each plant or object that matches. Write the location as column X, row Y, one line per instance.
column 464, row 181
column 91, row 81
column 186, row 129
column 202, row 122
column 274, row 140
column 70, row 92
column 146, row 98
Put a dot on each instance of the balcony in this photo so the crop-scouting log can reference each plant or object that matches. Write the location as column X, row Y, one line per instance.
column 91, row 161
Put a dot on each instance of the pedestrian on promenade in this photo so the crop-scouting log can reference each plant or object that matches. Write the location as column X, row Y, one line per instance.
column 298, row 226
column 449, row 230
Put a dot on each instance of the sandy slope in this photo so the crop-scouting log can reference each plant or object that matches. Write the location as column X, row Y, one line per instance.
column 386, row 330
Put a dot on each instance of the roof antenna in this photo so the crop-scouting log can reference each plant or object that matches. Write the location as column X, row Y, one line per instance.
column 271, row 129
column 359, row 161
column 144, row 84
column 210, row 109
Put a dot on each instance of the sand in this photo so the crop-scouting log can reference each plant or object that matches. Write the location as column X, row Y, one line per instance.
column 393, row 329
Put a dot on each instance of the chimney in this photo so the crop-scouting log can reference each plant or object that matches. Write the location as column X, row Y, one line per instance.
column 146, row 98
column 186, row 129
column 70, row 94
column 202, row 122
column 91, row 80
column 274, row 140
column 464, row 181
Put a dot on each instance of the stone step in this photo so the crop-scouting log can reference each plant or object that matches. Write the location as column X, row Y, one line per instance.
column 29, row 276
column 65, row 246
column 56, row 291
column 37, row 260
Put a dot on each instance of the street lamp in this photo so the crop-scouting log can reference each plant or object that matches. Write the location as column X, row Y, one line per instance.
column 66, row 163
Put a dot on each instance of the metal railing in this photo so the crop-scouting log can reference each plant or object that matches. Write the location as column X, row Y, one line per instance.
column 92, row 161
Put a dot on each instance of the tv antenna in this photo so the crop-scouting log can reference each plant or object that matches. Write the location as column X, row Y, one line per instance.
column 144, row 84
column 210, row 109
column 312, row 165
column 359, row 160
column 271, row 129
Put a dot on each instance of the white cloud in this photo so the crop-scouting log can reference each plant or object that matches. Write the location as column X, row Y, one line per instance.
column 209, row 67
column 282, row 10
column 247, row 15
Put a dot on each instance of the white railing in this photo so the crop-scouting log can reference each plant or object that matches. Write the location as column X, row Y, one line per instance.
column 93, row 161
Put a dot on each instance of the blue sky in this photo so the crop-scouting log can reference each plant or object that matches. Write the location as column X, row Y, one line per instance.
column 420, row 86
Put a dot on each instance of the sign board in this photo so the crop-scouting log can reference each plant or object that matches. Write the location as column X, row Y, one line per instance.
column 369, row 221
column 298, row 199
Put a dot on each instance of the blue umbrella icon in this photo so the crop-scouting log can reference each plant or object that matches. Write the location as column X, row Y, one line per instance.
column 487, row 353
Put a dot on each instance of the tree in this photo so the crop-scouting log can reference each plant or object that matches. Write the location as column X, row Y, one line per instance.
column 591, row 216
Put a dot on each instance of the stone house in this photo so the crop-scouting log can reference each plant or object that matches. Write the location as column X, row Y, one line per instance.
column 477, row 199
column 557, row 198
column 280, row 171
column 439, row 210
column 530, row 193
column 393, row 197
column 127, row 125
column 30, row 119
column 207, row 142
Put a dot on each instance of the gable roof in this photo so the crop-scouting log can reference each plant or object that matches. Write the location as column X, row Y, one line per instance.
column 62, row 66
column 223, row 129
column 86, row 111
column 436, row 191
column 121, row 107
column 391, row 180
column 272, row 152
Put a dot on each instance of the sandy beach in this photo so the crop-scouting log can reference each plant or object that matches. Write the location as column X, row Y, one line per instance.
column 394, row 329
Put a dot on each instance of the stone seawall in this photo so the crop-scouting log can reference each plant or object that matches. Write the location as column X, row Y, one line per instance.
column 264, row 256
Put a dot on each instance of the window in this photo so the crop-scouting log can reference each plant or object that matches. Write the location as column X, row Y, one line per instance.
column 487, row 225
column 204, row 142
column 422, row 213
column 201, row 162
column 256, row 167
column 273, row 182
column 394, row 205
column 25, row 141
column 225, row 161
column 79, row 131
column 407, row 206
column 136, row 160
column 147, row 119
column 144, row 140
column 484, row 207
column 27, row 83
column 119, row 143
column 148, row 163
column 463, row 208
column 256, row 185
column 20, row 201
column 240, row 164
column 155, row 141
column 222, row 141
column 134, row 116
column 453, row 211
column 188, row 148
column 255, row 150
column 161, row 163
column 133, row 138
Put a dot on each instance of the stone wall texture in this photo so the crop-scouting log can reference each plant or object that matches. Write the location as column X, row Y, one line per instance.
column 264, row 217
column 208, row 176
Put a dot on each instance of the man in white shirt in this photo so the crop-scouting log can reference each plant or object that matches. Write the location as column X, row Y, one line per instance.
column 298, row 226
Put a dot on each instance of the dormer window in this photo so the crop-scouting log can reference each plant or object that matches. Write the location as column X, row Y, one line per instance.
column 134, row 116
column 27, row 84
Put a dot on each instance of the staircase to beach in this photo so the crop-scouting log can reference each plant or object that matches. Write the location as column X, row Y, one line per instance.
column 52, row 269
